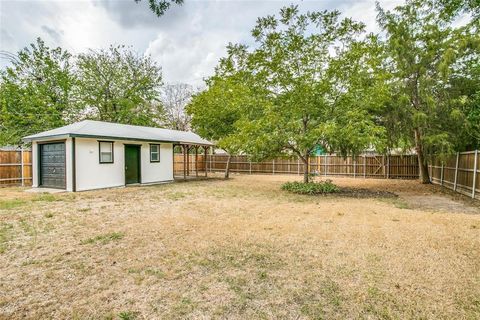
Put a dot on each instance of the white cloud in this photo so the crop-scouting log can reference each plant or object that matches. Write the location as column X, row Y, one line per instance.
column 364, row 11
column 191, row 53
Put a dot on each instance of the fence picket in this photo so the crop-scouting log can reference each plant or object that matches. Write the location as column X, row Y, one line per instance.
column 474, row 174
column 364, row 166
column 22, row 168
column 456, row 173
column 354, row 168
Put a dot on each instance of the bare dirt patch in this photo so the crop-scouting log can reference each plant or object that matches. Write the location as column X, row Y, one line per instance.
column 237, row 249
column 363, row 193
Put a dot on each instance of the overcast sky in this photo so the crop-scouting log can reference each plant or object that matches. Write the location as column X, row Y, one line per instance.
column 187, row 41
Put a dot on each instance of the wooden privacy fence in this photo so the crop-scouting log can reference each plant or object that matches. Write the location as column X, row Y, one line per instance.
column 16, row 167
column 367, row 166
column 459, row 173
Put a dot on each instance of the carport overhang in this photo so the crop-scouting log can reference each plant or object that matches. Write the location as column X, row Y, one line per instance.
column 186, row 148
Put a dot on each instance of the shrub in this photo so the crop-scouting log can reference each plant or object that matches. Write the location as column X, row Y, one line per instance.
column 310, row 187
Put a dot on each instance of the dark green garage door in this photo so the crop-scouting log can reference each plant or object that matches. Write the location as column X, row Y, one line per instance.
column 52, row 165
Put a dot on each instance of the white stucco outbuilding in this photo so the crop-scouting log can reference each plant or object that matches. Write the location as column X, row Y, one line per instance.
column 94, row 154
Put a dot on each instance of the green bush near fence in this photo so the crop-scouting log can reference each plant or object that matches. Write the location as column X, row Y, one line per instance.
column 321, row 187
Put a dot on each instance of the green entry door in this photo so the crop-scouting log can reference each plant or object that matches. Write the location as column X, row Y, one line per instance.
column 132, row 164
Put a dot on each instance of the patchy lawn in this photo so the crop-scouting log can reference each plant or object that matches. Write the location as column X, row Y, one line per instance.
column 239, row 249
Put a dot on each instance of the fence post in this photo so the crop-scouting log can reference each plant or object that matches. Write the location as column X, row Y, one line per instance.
column 383, row 165
column 288, row 166
column 273, row 166
column 364, row 166
column 474, row 174
column 318, row 165
column 388, row 166
column 298, row 166
column 354, row 167
column 211, row 156
column 441, row 174
column 21, row 166
column 456, row 173
column 250, row 166
column 325, row 165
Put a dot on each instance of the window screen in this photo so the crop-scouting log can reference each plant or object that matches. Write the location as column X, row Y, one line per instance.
column 106, row 151
column 154, row 153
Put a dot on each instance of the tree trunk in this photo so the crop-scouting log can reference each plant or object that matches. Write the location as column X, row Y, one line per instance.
column 306, row 173
column 422, row 165
column 227, row 168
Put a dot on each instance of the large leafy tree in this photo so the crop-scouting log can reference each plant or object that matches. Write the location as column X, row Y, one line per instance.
column 120, row 86
column 215, row 112
column 175, row 98
column 301, row 94
column 36, row 92
column 463, row 91
column 425, row 54
column 159, row 7
column 454, row 7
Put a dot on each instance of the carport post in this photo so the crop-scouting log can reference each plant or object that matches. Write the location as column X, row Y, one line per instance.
column 474, row 174
column 456, row 173
column 188, row 160
column 184, row 163
column 196, row 161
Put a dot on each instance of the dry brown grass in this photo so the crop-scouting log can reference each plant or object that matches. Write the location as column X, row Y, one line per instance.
column 239, row 249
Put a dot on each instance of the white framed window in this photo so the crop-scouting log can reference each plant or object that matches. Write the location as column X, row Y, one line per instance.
column 154, row 153
column 105, row 150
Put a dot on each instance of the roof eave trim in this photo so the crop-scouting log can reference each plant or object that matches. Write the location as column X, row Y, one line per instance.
column 56, row 136
column 43, row 138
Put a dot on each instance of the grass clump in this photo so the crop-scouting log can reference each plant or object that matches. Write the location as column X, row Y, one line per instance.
column 47, row 197
column 128, row 315
column 49, row 215
column 311, row 188
column 397, row 203
column 104, row 238
column 10, row 204
column 5, row 235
